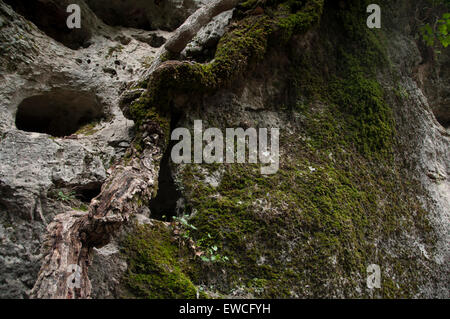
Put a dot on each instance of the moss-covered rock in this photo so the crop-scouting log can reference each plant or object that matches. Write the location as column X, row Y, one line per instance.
column 156, row 266
column 244, row 45
column 340, row 200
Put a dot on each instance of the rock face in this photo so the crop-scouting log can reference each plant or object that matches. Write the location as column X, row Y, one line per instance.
column 48, row 93
column 206, row 40
column 147, row 15
column 364, row 169
column 51, row 16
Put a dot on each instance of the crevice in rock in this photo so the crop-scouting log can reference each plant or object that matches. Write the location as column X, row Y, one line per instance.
column 165, row 204
column 88, row 192
column 51, row 17
column 58, row 113
column 442, row 116
column 154, row 40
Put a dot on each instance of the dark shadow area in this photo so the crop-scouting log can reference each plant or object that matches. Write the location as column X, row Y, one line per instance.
column 442, row 113
column 143, row 14
column 58, row 113
column 50, row 16
column 87, row 193
column 165, row 202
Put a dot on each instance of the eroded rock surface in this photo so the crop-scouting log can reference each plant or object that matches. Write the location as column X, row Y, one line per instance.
column 70, row 159
column 42, row 175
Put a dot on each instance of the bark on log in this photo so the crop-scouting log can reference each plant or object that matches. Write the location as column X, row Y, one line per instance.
column 72, row 235
column 189, row 29
column 195, row 22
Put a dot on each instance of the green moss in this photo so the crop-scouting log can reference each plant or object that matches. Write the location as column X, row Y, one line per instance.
column 155, row 265
column 342, row 70
column 311, row 229
column 112, row 50
column 83, row 208
column 339, row 202
column 240, row 48
column 158, row 120
column 369, row 118
column 88, row 129
column 302, row 19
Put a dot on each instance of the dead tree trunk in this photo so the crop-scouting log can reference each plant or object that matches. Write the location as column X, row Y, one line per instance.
column 195, row 22
column 184, row 34
column 72, row 236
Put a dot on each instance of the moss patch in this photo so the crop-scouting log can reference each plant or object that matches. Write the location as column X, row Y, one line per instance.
column 156, row 266
column 244, row 45
column 312, row 229
column 339, row 201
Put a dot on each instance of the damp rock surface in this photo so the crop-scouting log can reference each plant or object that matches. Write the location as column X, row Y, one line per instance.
column 348, row 193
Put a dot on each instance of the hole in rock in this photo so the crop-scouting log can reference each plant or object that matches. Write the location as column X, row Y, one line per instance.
column 50, row 16
column 442, row 114
column 58, row 113
column 87, row 193
column 167, row 200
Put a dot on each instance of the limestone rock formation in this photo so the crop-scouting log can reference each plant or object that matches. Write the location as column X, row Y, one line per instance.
column 88, row 191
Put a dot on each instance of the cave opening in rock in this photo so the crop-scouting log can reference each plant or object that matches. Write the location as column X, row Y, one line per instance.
column 50, row 17
column 89, row 192
column 442, row 113
column 58, row 113
column 166, row 203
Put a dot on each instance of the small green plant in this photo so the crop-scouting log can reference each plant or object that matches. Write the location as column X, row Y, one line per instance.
column 187, row 227
column 213, row 256
column 204, row 248
column 210, row 251
column 438, row 33
column 65, row 197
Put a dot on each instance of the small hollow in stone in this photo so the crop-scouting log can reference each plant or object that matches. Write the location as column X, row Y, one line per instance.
column 58, row 113
column 166, row 203
column 89, row 192
column 50, row 16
